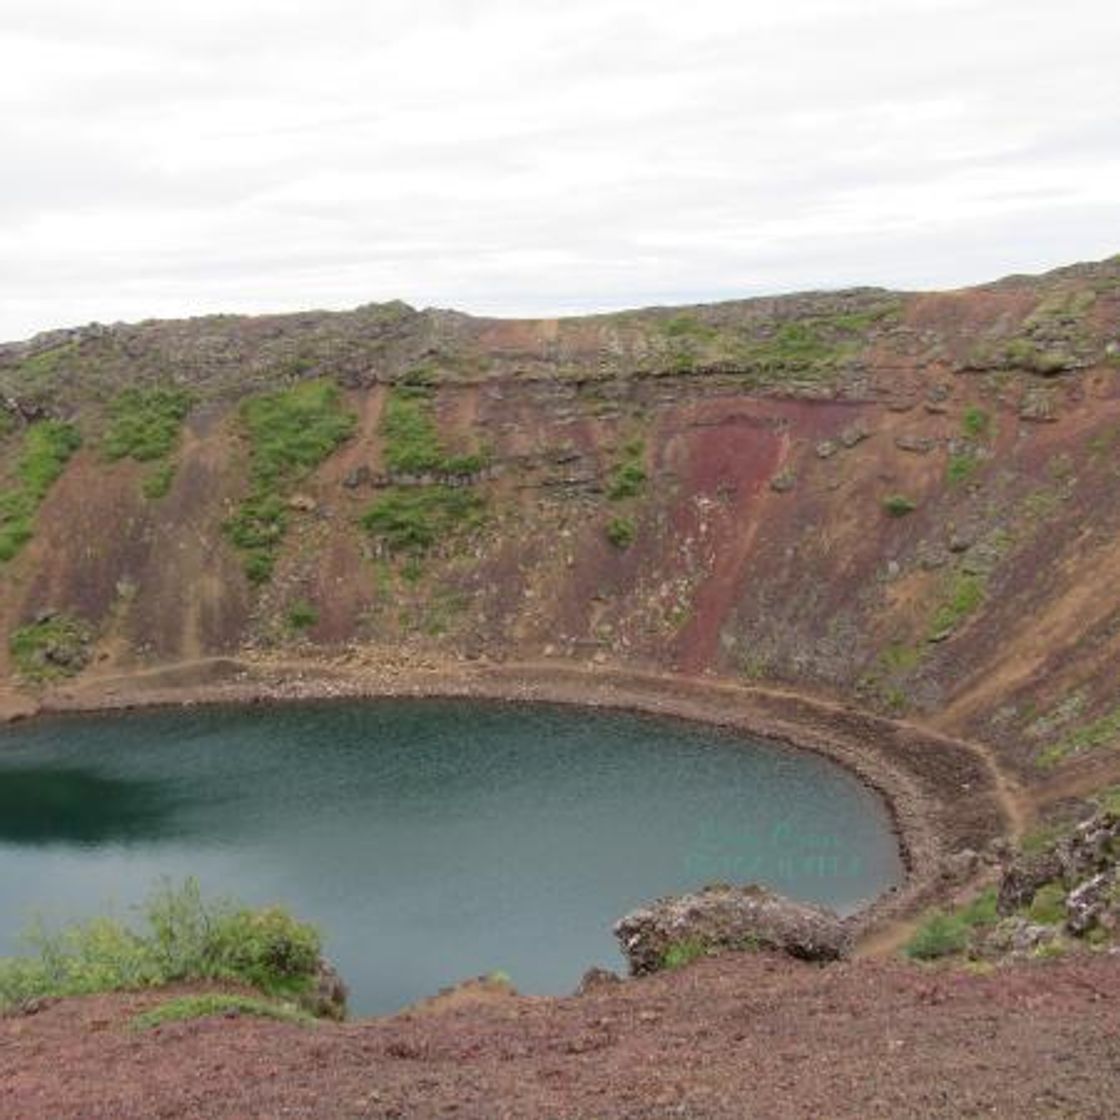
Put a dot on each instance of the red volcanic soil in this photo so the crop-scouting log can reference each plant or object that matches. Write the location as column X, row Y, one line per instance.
column 747, row 1035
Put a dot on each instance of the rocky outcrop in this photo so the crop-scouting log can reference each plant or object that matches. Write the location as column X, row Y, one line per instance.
column 326, row 997
column 725, row 917
column 1090, row 850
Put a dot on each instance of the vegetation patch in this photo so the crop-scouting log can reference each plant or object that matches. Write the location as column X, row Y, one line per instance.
column 899, row 505
column 47, row 447
column 226, row 1004
column 628, row 476
column 621, row 532
column 290, row 433
column 144, row 425
column 302, row 615
column 182, row 938
column 1048, row 905
column 51, row 648
column 684, row 952
column 945, row 933
column 413, row 519
column 976, row 423
column 1102, row 732
column 964, row 594
column 411, row 442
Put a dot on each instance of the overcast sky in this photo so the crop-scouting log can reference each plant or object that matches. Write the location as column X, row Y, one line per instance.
column 542, row 157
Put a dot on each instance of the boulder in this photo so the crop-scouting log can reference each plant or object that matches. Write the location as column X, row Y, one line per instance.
column 326, row 997
column 1023, row 876
column 726, row 917
column 1091, row 904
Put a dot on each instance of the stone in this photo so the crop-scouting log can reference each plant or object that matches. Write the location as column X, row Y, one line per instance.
column 729, row 917
column 359, row 476
column 1022, row 878
column 326, row 997
column 302, row 502
column 598, row 980
column 854, row 433
column 783, row 482
column 826, row 449
column 917, row 445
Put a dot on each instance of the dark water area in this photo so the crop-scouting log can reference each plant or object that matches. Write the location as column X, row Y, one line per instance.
column 430, row 840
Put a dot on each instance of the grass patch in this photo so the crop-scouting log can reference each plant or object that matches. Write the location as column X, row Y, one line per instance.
column 1048, row 905
column 158, row 480
column 965, row 594
column 49, row 650
column 961, row 467
column 302, row 615
column 185, row 1008
column 182, row 938
column 684, row 952
column 621, row 532
column 411, row 520
column 290, row 433
column 946, row 933
column 1102, row 732
column 411, row 442
column 899, row 505
column 47, row 447
column 144, row 424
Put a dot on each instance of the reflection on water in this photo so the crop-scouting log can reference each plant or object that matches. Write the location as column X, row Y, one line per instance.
column 430, row 840
column 72, row 805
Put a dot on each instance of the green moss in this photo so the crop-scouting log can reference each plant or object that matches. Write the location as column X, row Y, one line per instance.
column 51, row 649
column 144, row 424
column 224, row 1004
column 414, row 519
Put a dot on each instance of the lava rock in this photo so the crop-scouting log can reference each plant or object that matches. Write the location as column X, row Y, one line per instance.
column 727, row 917
column 1023, row 876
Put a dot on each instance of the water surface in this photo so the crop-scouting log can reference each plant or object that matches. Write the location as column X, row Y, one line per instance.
column 430, row 840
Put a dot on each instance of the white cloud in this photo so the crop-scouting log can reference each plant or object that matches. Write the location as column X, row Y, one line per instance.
column 519, row 159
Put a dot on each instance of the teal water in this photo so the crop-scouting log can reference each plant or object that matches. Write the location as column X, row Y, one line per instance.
column 430, row 840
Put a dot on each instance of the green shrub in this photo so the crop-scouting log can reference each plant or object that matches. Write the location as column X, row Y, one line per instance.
column 898, row 505
column 621, row 532
column 302, row 615
column 158, row 481
column 413, row 519
column 628, row 477
column 941, row 935
column 944, row 933
column 183, row 938
column 226, row 1004
column 976, row 422
column 144, row 423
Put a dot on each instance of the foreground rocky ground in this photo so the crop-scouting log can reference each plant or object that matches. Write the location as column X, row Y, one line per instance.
column 744, row 1035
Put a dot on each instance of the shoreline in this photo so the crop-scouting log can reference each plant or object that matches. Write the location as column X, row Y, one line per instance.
column 942, row 795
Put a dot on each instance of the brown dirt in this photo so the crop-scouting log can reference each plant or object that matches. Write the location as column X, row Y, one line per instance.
column 746, row 1035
